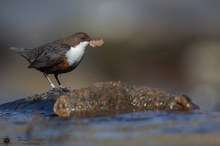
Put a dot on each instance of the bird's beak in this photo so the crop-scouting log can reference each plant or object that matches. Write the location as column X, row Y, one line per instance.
column 96, row 43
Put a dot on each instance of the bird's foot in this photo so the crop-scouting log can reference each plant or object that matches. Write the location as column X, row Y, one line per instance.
column 64, row 89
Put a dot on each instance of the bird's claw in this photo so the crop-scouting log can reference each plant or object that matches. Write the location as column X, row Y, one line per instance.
column 65, row 89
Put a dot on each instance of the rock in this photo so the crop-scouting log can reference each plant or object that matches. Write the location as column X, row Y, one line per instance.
column 108, row 98
column 38, row 103
column 101, row 99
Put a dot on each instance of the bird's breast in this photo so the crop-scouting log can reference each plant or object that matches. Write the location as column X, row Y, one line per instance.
column 76, row 53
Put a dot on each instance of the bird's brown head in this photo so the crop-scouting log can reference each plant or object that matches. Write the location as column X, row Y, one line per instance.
column 79, row 37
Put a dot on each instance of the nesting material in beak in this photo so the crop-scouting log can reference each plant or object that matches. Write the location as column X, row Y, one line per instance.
column 96, row 43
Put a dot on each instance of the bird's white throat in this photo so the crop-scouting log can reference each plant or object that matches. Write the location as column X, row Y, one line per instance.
column 76, row 53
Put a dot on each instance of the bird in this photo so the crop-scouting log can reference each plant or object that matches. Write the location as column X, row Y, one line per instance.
column 59, row 56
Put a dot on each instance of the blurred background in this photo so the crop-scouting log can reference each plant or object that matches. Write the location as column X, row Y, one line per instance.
column 172, row 44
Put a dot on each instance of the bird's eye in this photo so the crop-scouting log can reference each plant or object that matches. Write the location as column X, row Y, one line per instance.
column 82, row 36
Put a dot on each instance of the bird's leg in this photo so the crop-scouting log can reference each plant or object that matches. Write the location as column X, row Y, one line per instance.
column 61, row 87
column 51, row 84
column 56, row 77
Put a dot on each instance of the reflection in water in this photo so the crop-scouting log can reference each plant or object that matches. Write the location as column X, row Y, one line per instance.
column 144, row 128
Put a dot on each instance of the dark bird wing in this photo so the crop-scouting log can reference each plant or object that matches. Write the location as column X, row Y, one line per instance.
column 49, row 55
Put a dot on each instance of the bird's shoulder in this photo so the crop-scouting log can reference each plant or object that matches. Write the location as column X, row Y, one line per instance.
column 54, row 47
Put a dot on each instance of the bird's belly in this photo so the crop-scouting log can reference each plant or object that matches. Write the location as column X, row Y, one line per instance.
column 60, row 68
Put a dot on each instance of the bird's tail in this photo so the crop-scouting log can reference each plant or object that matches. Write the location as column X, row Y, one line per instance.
column 22, row 51
column 17, row 49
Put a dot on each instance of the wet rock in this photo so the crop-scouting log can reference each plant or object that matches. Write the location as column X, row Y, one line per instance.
column 101, row 99
column 181, row 103
column 38, row 103
column 107, row 98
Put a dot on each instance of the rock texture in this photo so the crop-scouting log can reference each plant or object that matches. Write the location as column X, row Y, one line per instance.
column 101, row 99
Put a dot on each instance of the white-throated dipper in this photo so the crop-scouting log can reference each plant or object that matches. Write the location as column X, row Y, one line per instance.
column 60, row 56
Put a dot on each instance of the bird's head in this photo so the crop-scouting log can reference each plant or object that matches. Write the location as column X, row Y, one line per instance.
column 80, row 37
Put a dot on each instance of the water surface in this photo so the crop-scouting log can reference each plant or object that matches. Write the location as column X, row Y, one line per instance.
column 144, row 128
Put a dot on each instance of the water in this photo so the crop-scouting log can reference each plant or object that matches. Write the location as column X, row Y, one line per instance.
column 144, row 128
